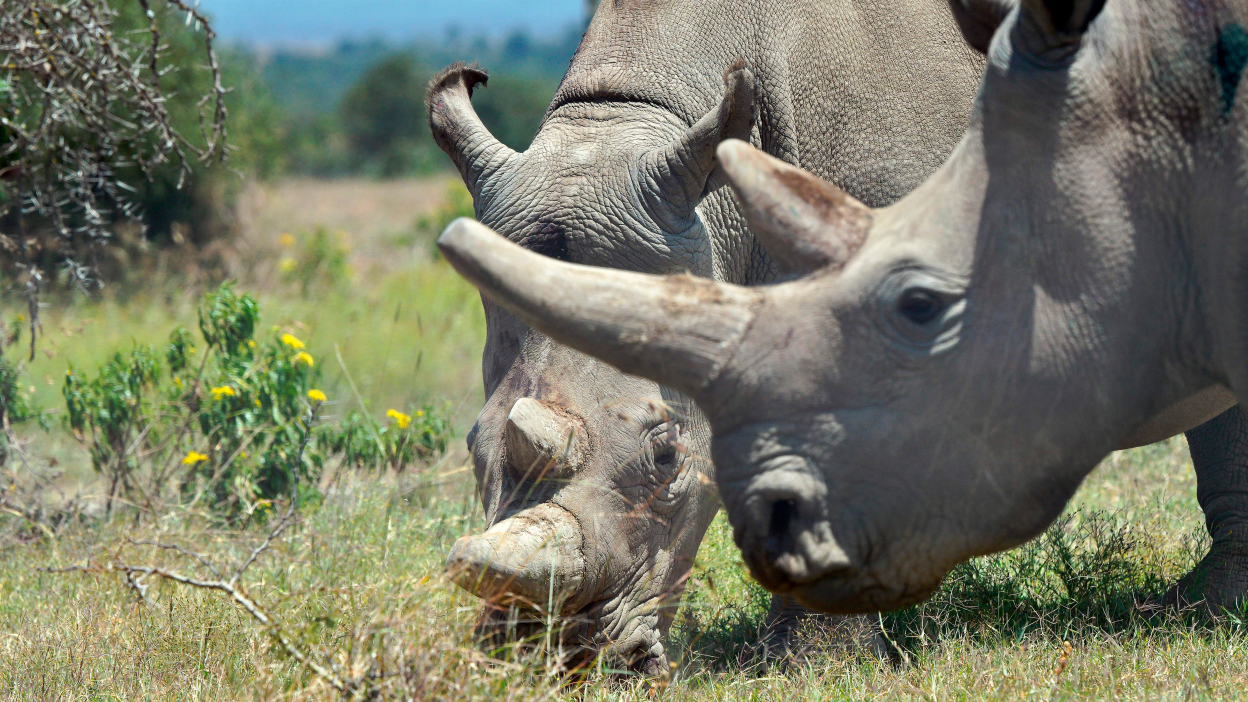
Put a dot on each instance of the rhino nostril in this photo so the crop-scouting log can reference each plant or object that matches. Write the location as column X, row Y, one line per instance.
column 779, row 536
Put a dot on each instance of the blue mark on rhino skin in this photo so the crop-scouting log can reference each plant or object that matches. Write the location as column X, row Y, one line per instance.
column 1230, row 56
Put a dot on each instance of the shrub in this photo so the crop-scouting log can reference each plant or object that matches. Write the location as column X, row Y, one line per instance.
column 234, row 424
column 14, row 409
column 321, row 259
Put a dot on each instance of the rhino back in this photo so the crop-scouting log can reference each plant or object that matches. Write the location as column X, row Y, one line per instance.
column 870, row 94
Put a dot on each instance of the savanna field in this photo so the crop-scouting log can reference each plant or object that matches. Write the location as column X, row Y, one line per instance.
column 350, row 580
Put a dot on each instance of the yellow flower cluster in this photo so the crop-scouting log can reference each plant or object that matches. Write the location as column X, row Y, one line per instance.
column 223, row 391
column 292, row 341
column 304, row 357
column 402, row 420
column 317, row 396
column 192, row 458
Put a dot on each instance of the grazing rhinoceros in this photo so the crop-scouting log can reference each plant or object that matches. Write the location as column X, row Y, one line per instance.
column 597, row 495
column 1074, row 279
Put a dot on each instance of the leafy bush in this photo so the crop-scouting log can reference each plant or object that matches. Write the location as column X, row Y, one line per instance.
column 235, row 423
column 321, row 259
column 14, row 408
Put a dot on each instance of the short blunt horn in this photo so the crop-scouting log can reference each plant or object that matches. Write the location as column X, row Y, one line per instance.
column 543, row 442
column 676, row 330
column 458, row 130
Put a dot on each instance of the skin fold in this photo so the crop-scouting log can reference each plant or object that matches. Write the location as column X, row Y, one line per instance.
column 945, row 371
column 597, row 485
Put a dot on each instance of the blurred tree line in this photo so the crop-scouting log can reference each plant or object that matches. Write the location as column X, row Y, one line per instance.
column 358, row 108
column 354, row 109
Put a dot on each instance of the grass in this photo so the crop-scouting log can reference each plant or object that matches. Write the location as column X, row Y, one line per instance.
column 359, row 581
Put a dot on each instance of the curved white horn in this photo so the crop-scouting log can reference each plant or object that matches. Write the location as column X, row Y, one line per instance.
column 677, row 330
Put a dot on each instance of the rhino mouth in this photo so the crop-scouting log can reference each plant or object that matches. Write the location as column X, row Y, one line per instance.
column 578, row 640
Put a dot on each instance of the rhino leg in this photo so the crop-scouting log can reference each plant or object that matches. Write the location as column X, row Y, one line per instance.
column 1219, row 451
column 794, row 632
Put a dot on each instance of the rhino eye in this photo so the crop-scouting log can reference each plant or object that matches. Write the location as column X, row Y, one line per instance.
column 666, row 446
column 920, row 306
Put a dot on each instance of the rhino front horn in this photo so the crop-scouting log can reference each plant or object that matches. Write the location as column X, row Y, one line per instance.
column 533, row 559
column 676, row 330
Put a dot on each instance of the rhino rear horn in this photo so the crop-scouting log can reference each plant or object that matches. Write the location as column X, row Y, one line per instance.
column 803, row 221
column 458, row 130
column 680, row 169
column 979, row 19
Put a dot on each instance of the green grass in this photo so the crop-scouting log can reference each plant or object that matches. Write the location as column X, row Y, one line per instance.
column 359, row 581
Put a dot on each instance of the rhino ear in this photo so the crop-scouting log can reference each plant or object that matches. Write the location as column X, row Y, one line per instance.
column 979, row 19
column 1061, row 21
column 803, row 221
column 678, row 171
column 458, row 130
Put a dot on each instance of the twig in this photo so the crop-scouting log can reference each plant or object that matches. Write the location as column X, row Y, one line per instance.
column 271, row 626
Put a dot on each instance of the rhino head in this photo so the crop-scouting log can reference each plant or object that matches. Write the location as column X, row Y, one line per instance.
column 942, row 373
column 596, row 485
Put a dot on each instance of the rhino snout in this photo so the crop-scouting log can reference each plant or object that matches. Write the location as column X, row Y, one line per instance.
column 784, row 538
column 544, row 442
column 534, row 558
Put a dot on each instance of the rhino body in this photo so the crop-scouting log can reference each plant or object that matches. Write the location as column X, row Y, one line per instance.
column 948, row 369
column 597, row 486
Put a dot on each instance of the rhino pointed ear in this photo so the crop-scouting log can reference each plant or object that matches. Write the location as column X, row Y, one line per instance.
column 1061, row 21
column 458, row 130
column 679, row 170
column 979, row 19
column 803, row 221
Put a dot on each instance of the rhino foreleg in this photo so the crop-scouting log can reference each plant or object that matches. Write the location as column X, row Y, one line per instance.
column 1219, row 450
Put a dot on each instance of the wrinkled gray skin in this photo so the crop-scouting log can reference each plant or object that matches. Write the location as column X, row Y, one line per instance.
column 938, row 384
column 872, row 95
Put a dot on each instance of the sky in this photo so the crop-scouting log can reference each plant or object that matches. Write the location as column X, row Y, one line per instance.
column 284, row 22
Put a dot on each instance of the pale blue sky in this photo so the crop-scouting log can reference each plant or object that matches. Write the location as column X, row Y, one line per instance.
column 323, row 21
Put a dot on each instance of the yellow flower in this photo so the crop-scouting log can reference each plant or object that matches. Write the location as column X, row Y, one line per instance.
column 177, row 381
column 286, row 265
column 399, row 418
column 258, row 402
column 223, row 391
column 317, row 395
column 192, row 458
column 305, row 357
column 420, row 413
column 251, row 343
column 292, row 341
column 287, row 240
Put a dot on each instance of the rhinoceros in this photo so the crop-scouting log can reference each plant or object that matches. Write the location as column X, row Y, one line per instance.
column 944, row 372
column 597, row 485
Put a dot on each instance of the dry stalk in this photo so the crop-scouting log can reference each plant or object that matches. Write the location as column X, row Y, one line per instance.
column 135, row 577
